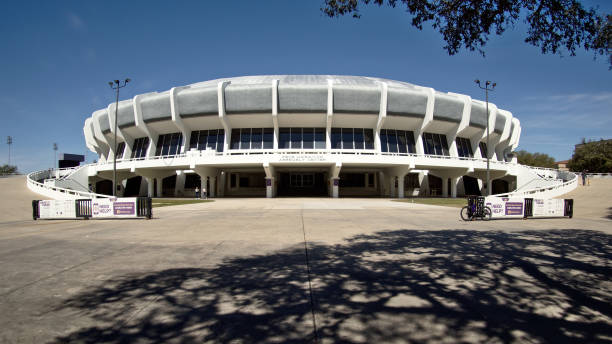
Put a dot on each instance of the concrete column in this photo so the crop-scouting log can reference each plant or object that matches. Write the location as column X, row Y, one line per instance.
column 489, row 187
column 159, row 186
column 453, row 191
column 143, row 187
column 445, row 187
column 179, row 188
column 400, row 186
column 391, row 186
column 269, row 187
column 213, row 186
column 335, row 182
column 203, row 182
column 150, row 185
column 222, row 179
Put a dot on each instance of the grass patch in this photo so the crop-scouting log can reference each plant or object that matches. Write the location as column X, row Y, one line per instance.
column 446, row 202
column 167, row 202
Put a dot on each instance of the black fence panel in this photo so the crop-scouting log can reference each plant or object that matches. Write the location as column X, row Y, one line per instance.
column 569, row 207
column 35, row 212
column 145, row 207
column 528, row 207
column 83, row 208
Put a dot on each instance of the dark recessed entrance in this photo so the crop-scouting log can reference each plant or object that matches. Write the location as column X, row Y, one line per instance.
column 298, row 184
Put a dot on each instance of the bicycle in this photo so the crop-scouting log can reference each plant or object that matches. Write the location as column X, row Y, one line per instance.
column 475, row 210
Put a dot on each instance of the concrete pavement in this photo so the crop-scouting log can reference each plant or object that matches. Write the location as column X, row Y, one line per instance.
column 235, row 270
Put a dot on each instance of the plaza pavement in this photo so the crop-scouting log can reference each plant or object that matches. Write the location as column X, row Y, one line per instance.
column 235, row 271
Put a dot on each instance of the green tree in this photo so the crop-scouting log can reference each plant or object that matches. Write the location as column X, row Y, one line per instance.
column 553, row 25
column 535, row 159
column 7, row 169
column 594, row 156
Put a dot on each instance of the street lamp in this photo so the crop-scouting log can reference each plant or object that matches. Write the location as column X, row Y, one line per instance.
column 116, row 85
column 9, row 142
column 55, row 155
column 487, row 89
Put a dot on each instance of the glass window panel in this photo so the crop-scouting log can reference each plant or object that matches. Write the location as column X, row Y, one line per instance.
column 193, row 141
column 437, row 144
column 429, row 144
column 319, row 138
column 368, row 137
column 459, row 144
column 401, row 141
column 384, row 142
column 444, row 142
column 336, row 138
column 256, row 137
column 284, row 138
column 483, row 149
column 174, row 144
column 220, row 140
column 469, row 148
column 160, row 145
column 347, row 138
column 359, row 140
column 235, row 139
column 202, row 138
column 296, row 138
column 268, row 138
column 245, row 138
column 392, row 140
column 410, row 142
column 308, row 138
column 212, row 139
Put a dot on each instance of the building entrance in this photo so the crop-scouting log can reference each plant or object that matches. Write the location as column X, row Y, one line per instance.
column 308, row 184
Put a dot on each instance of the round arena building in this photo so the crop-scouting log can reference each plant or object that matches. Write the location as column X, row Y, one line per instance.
column 303, row 135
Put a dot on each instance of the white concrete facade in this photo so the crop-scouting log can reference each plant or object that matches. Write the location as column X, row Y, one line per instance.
column 422, row 142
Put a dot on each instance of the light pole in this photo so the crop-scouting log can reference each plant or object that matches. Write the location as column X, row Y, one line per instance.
column 487, row 89
column 9, row 142
column 55, row 155
column 116, row 85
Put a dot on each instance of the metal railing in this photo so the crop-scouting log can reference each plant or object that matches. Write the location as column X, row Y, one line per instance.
column 54, row 191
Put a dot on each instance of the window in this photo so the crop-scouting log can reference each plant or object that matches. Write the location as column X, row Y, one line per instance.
column 235, row 141
column 352, row 138
column 435, row 144
column 208, row 139
column 256, row 138
column 464, row 148
column 245, row 138
column 140, row 147
column 396, row 141
column 120, row 150
column 296, row 138
column 284, row 138
column 169, row 144
column 308, row 138
column 319, row 138
column 268, row 138
column 483, row 149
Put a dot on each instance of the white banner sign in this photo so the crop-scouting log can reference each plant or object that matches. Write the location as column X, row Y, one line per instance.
column 548, row 207
column 504, row 207
column 114, row 207
column 56, row 209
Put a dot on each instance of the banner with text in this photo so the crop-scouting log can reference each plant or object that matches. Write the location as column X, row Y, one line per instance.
column 504, row 207
column 56, row 209
column 114, row 207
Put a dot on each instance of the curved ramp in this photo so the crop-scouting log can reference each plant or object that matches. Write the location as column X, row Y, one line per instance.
column 16, row 200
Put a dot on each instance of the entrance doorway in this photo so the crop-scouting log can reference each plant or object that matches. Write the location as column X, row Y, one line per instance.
column 302, row 184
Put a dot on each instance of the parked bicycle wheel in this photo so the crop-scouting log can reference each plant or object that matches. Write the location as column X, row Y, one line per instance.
column 465, row 214
column 486, row 213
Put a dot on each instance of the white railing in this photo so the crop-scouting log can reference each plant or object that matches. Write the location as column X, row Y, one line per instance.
column 53, row 191
column 567, row 183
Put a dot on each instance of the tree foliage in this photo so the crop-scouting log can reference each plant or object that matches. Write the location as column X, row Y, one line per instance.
column 8, row 169
column 553, row 25
column 535, row 159
column 594, row 156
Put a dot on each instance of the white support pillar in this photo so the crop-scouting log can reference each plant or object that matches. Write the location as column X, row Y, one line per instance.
column 275, row 112
column 159, row 186
column 391, row 186
column 400, row 186
column 453, row 184
column 179, row 187
column 221, row 106
column 445, row 186
column 270, row 174
column 335, row 179
column 212, row 181
column 382, row 115
column 330, row 113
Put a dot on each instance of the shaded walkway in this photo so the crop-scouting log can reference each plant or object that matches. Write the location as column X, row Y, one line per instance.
column 391, row 286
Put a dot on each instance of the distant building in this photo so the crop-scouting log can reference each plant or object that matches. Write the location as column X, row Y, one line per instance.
column 562, row 165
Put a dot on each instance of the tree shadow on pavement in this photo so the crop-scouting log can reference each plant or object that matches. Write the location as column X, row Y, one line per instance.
column 392, row 286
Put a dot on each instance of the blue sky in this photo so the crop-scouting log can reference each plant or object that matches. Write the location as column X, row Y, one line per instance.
column 58, row 56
